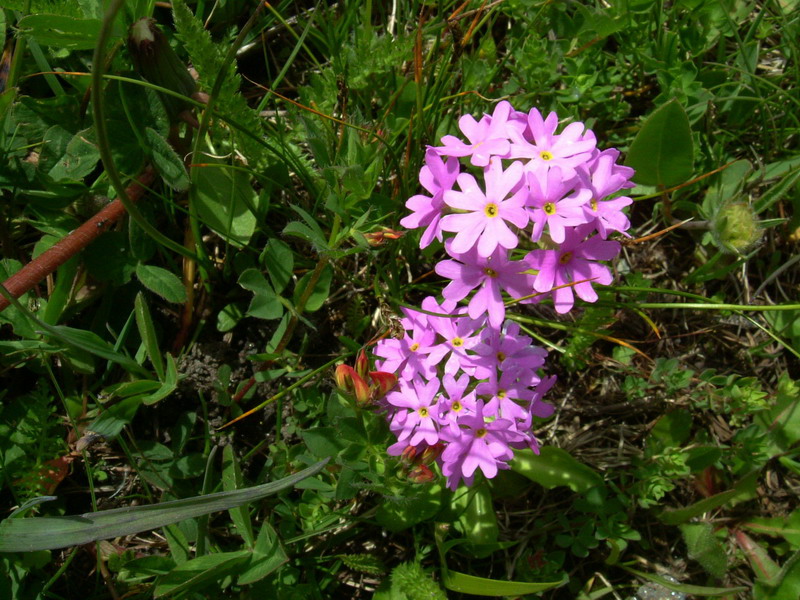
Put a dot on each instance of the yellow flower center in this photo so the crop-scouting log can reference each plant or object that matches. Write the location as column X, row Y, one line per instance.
column 481, row 432
column 594, row 205
column 550, row 208
column 501, row 356
column 456, row 406
column 457, row 342
column 565, row 258
column 491, row 210
column 414, row 347
column 502, row 394
column 545, row 155
column 423, row 412
column 490, row 272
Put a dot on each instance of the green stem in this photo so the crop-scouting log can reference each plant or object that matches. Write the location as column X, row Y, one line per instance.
column 103, row 146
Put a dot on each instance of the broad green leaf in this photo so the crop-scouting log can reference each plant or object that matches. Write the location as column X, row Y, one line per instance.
column 232, row 480
column 147, row 332
column 787, row 527
column 223, row 198
column 228, row 317
column 705, row 548
column 279, row 262
column 481, row 586
column 265, row 303
column 169, row 164
column 199, row 571
column 78, row 159
column 268, row 555
column 162, row 282
column 64, row 32
column 744, row 489
column 695, row 590
column 553, row 467
column 781, row 422
column 417, row 504
column 47, row 533
column 319, row 294
column 662, row 153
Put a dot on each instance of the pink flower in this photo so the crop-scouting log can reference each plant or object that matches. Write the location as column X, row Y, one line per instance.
column 487, row 137
column 436, row 176
column 549, row 204
column 484, row 223
column 493, row 274
column 417, row 424
column 573, row 263
column 603, row 177
column 567, row 150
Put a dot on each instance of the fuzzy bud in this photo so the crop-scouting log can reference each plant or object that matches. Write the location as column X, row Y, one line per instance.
column 735, row 228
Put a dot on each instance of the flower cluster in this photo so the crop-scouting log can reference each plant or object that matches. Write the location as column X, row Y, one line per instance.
column 532, row 219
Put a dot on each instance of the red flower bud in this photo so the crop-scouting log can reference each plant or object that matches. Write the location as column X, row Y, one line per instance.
column 382, row 383
column 362, row 363
column 350, row 382
column 421, row 474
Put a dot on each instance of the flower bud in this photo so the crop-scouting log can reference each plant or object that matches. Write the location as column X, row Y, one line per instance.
column 362, row 363
column 421, row 474
column 382, row 383
column 156, row 61
column 379, row 238
column 348, row 381
column 409, row 455
column 735, row 228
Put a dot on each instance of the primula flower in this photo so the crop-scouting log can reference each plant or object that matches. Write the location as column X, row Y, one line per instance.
column 487, row 137
column 408, row 356
column 539, row 142
column 603, row 177
column 573, row 263
column 493, row 273
column 505, row 349
column 550, row 203
column 437, row 176
column 418, row 423
column 484, row 222
column 459, row 333
column 474, row 444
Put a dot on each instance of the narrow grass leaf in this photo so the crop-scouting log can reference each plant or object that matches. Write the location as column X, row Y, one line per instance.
column 147, row 331
column 47, row 533
column 695, row 590
column 481, row 586
column 744, row 488
column 232, row 480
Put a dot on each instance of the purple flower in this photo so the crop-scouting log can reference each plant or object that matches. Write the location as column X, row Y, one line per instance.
column 550, row 204
column 475, row 444
column 487, row 137
column 436, row 176
column 504, row 350
column 567, row 150
column 604, row 177
column 484, row 223
column 418, row 423
column 459, row 333
column 408, row 356
column 492, row 273
column 573, row 265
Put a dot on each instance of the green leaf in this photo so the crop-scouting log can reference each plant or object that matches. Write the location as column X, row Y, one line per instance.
column 268, row 555
column 199, row 571
column 662, row 153
column 223, row 198
column 232, row 480
column 78, row 159
column 47, row 533
column 553, row 467
column 696, row 590
column 162, row 282
column 481, row 586
column 744, row 489
column 92, row 343
column 167, row 162
column 63, row 31
column 147, row 331
column 705, row 548
column 265, row 303
column 168, row 385
column 319, row 294
column 279, row 261
column 786, row 584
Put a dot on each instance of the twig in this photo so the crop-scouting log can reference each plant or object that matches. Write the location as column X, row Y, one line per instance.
column 46, row 263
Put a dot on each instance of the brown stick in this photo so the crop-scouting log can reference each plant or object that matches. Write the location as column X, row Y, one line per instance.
column 43, row 265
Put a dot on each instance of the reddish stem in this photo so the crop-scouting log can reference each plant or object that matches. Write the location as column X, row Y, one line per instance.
column 46, row 263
